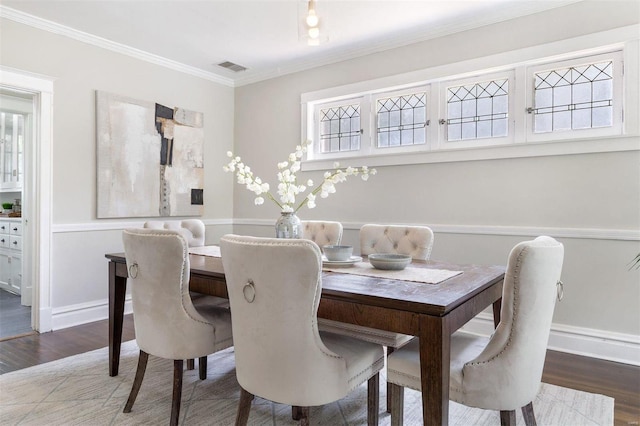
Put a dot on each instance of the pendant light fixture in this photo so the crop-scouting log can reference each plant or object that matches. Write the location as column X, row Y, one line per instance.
column 313, row 22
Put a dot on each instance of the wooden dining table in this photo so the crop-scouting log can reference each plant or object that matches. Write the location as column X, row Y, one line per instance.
column 432, row 312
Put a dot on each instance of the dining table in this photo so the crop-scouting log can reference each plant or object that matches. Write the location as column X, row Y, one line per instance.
column 393, row 302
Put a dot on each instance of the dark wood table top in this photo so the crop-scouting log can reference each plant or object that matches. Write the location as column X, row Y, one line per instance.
column 423, row 298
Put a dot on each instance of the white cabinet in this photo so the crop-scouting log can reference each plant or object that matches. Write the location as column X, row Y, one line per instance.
column 12, row 135
column 11, row 255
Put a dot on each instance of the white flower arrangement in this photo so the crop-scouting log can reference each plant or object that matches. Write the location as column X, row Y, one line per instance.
column 288, row 185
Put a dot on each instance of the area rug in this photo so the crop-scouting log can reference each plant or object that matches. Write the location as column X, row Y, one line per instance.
column 78, row 391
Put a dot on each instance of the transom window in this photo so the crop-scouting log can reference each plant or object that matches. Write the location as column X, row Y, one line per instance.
column 401, row 120
column 578, row 97
column 340, row 128
column 478, row 110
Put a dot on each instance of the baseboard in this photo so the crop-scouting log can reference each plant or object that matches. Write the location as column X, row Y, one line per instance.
column 618, row 347
column 72, row 315
column 611, row 346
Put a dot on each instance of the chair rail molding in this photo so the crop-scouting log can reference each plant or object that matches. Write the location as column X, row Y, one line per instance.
column 524, row 231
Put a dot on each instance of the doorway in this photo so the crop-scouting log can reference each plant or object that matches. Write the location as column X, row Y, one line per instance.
column 36, row 191
column 16, row 131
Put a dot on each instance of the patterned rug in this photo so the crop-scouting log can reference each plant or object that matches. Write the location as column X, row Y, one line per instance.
column 78, row 391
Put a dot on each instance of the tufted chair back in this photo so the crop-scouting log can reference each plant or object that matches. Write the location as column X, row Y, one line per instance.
column 274, row 288
column 322, row 232
column 192, row 230
column 416, row 241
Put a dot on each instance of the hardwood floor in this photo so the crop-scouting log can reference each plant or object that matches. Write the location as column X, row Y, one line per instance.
column 619, row 381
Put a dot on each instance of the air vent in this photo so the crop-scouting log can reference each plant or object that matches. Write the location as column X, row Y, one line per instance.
column 231, row 66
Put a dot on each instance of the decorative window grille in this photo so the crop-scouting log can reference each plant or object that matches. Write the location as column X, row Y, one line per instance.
column 340, row 128
column 579, row 97
column 478, row 110
column 401, row 120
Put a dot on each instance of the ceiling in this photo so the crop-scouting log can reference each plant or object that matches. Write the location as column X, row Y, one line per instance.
column 265, row 36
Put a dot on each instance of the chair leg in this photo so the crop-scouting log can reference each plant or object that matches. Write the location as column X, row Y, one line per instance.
column 191, row 364
column 202, row 367
column 508, row 418
column 389, row 352
column 373, row 400
column 397, row 404
column 529, row 415
column 178, row 366
column 304, row 416
column 137, row 382
column 242, row 418
column 296, row 412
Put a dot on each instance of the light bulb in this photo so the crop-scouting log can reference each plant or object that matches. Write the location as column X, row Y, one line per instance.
column 312, row 18
column 314, row 32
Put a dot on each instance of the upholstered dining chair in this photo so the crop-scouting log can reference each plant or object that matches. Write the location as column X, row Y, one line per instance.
column 166, row 322
column 274, row 288
column 416, row 241
column 502, row 372
column 322, row 233
column 192, row 230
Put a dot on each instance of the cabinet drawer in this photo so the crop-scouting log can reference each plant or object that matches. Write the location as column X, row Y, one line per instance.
column 15, row 242
column 4, row 228
column 4, row 241
column 15, row 228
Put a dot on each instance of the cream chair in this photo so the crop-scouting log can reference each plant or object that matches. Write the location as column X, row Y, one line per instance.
column 192, row 230
column 274, row 289
column 416, row 241
column 502, row 372
column 322, row 233
column 166, row 323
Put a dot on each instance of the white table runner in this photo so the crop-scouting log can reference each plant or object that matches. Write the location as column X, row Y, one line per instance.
column 213, row 251
column 419, row 275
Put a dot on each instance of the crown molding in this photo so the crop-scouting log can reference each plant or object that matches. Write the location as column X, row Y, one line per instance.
column 55, row 28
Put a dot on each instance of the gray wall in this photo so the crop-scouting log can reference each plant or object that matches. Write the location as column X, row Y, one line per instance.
column 79, row 241
column 469, row 203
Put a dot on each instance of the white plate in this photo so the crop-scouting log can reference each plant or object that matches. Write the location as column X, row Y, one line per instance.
column 340, row 263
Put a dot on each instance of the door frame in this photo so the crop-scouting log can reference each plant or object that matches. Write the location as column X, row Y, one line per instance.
column 37, row 192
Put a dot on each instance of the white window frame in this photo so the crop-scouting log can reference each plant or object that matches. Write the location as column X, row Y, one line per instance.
column 313, row 128
column 375, row 149
column 618, row 98
column 444, row 143
column 523, row 143
column 364, row 120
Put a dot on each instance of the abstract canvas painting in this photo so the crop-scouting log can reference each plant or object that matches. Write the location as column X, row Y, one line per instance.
column 150, row 158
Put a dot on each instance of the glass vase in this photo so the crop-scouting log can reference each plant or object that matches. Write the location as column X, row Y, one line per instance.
column 288, row 226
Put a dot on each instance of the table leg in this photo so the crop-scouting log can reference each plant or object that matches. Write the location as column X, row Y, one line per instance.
column 435, row 354
column 497, row 306
column 117, row 291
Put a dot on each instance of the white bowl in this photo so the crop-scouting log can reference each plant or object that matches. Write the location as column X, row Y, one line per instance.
column 338, row 253
column 389, row 261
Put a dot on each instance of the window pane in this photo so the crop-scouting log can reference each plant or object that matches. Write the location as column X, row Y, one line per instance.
column 340, row 128
column 578, row 97
column 454, row 132
column 473, row 109
column 401, row 120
